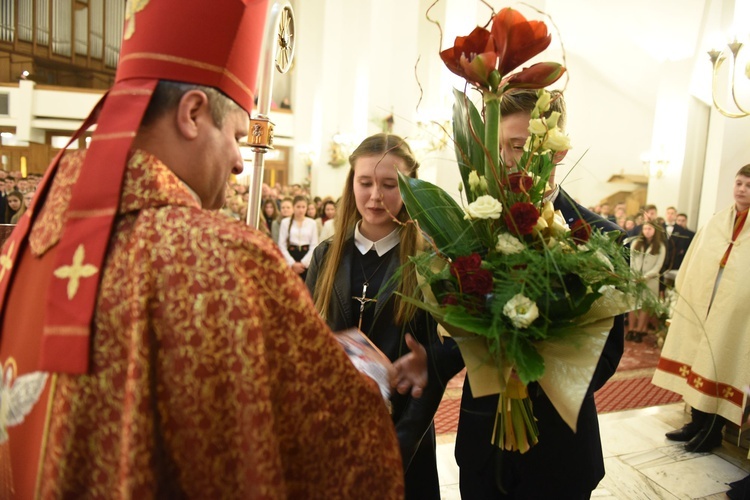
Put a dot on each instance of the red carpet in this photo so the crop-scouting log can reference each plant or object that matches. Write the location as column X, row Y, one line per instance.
column 628, row 389
column 628, row 394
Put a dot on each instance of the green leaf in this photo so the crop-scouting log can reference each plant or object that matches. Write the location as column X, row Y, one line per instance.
column 439, row 216
column 469, row 151
column 529, row 364
column 461, row 318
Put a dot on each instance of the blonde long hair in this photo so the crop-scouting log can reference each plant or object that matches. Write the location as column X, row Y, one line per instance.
column 348, row 216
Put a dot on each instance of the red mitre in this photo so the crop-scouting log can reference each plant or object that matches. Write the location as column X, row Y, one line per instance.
column 216, row 44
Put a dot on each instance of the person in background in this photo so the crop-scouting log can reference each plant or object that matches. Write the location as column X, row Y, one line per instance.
column 646, row 214
column 678, row 241
column 151, row 347
column 270, row 214
column 286, row 209
column 681, row 220
column 298, row 237
column 3, row 195
column 647, row 254
column 564, row 464
column 352, row 282
column 312, row 213
column 16, row 207
column 28, row 198
column 705, row 355
column 329, row 210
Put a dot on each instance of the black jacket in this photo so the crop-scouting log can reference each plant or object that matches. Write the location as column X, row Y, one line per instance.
column 412, row 417
column 563, row 464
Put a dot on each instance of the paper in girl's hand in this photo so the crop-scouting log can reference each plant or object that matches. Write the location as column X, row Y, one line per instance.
column 368, row 359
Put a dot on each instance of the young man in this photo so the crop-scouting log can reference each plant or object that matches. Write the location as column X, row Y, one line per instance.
column 564, row 464
column 705, row 355
column 678, row 241
column 175, row 354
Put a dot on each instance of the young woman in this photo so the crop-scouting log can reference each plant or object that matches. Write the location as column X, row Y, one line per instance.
column 647, row 255
column 312, row 213
column 329, row 214
column 298, row 237
column 270, row 214
column 16, row 207
column 286, row 209
column 350, row 279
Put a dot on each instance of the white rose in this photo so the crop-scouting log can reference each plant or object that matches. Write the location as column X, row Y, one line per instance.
column 521, row 310
column 537, row 127
column 484, row 207
column 508, row 244
column 557, row 141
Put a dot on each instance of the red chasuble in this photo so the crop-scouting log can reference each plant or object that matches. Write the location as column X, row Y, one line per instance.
column 210, row 374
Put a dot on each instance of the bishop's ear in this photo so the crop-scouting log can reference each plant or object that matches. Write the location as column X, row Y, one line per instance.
column 192, row 110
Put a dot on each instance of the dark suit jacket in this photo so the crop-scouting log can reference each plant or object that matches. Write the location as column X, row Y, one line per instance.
column 412, row 417
column 563, row 464
column 677, row 246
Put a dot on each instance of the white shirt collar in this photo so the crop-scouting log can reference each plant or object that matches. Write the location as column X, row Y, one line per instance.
column 382, row 246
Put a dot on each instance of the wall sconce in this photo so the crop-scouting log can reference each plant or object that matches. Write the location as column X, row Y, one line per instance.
column 717, row 58
column 655, row 164
column 308, row 156
column 339, row 150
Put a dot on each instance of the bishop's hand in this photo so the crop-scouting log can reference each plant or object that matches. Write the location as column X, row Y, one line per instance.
column 411, row 369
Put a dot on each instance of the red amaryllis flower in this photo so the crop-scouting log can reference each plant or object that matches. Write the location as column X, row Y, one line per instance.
column 472, row 57
column 534, row 77
column 521, row 218
column 520, row 182
column 516, row 39
column 580, row 231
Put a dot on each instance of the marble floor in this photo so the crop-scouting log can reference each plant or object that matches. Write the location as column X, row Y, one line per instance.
column 640, row 462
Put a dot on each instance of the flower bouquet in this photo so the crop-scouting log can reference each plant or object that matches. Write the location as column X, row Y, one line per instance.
column 526, row 297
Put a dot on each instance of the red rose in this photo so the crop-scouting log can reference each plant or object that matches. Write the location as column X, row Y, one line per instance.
column 472, row 278
column 580, row 231
column 521, row 218
column 450, row 300
column 465, row 264
column 519, row 182
column 477, row 283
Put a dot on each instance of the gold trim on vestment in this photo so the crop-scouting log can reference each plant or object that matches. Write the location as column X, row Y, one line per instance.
column 113, row 135
column 66, row 330
column 130, row 92
column 45, row 435
column 85, row 214
column 189, row 62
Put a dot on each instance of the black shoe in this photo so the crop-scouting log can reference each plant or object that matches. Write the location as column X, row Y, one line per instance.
column 705, row 441
column 688, row 432
column 739, row 490
column 630, row 335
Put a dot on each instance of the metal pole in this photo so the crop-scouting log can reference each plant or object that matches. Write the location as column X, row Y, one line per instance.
column 279, row 39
